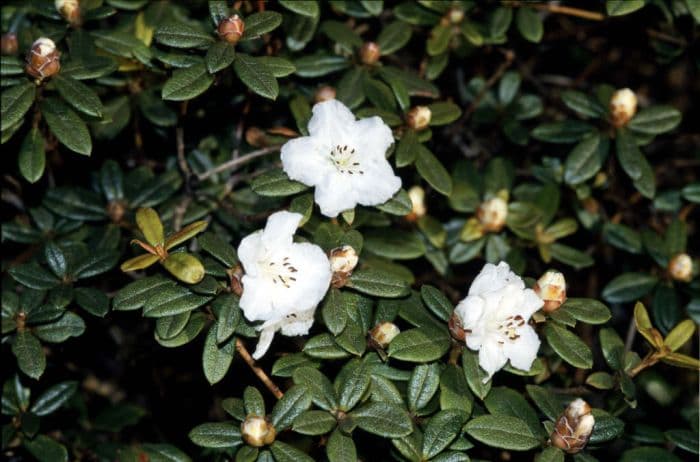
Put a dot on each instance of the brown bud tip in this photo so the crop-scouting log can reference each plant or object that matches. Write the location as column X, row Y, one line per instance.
column 256, row 137
column 343, row 261
column 324, row 93
column 418, row 118
column 257, row 431
column 418, row 209
column 9, row 44
column 383, row 333
column 573, row 428
column 235, row 275
column 623, row 106
column 43, row 59
column 116, row 210
column 370, row 53
column 680, row 267
column 231, row 29
column 455, row 327
column 70, row 11
column 492, row 214
column 551, row 288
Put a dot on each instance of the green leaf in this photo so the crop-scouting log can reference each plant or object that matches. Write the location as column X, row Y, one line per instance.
column 341, row 34
column 529, row 24
column 148, row 222
column 454, row 391
column 15, row 102
column 30, row 356
column 567, row 131
column 634, row 163
column 187, row 83
column 185, row 267
column 314, row 423
column 34, row 276
column 570, row 256
column 474, row 374
column 53, row 398
column 613, row 348
column 56, row 259
column 628, row 287
column 92, row 300
column 383, row 419
column 135, row 294
column 218, row 248
column 680, row 335
column 164, row 453
column 70, row 130
column 253, row 401
column 324, row 347
column 79, row 95
column 655, row 120
column 216, row 359
column 276, row 183
column 181, row 35
column 550, row 454
column 685, row 439
column 261, row 23
column 288, row 364
column 286, row 453
column 341, row 448
column 393, row 37
column 432, row 171
column 354, row 385
column 68, row 325
column 503, row 432
column 569, row 346
column 170, row 300
column 508, row 402
column 318, row 386
column 45, row 449
column 584, row 161
column 280, row 67
column 219, row 56
column 436, row 301
column 295, row 401
column 190, row 332
column 441, row 430
column 256, row 75
column 443, row 113
column 32, row 156
column 419, row 345
column 622, row 7
column 228, row 316
column 583, row 104
column 168, row 327
column 307, row 8
column 587, row 310
column 545, row 400
column 508, row 87
column 10, row 65
column 378, row 283
column 399, row 205
column 394, row 244
column 422, row 385
column 606, row 427
column 601, row 380
column 216, row 435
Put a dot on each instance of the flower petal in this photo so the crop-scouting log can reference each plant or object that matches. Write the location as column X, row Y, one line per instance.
column 377, row 185
column 335, row 195
column 523, row 351
column 331, row 121
column 304, row 160
column 491, row 357
column 493, row 278
column 249, row 251
column 280, row 228
column 373, row 137
column 470, row 310
column 264, row 342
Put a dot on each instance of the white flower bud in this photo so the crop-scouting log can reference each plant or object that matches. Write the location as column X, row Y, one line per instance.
column 384, row 333
column 551, row 288
column 43, row 59
column 343, row 259
column 681, row 267
column 492, row 214
column 324, row 93
column 623, row 106
column 257, row 431
column 417, row 196
column 455, row 15
column 574, row 427
column 370, row 53
column 69, row 10
column 418, row 118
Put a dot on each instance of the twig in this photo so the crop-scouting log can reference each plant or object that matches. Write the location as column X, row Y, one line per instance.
column 578, row 12
column 234, row 163
column 180, row 210
column 274, row 389
column 180, row 143
column 666, row 38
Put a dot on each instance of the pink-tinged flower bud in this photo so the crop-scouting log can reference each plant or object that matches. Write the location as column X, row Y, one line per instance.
column 680, row 267
column 418, row 209
column 492, row 214
column 257, row 431
column 9, row 44
column 551, row 288
column 370, row 53
column 70, row 11
column 324, row 93
column 383, row 333
column 623, row 106
column 573, row 428
column 418, row 118
column 43, row 59
column 231, row 29
column 343, row 261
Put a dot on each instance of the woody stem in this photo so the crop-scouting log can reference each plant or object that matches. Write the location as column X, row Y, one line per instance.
column 648, row 361
column 274, row 389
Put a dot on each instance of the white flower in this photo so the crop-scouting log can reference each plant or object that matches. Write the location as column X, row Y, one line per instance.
column 344, row 158
column 495, row 316
column 283, row 281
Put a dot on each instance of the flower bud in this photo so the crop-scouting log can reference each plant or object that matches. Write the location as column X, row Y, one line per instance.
column 370, row 53
column 551, row 288
column 43, row 59
column 231, row 29
column 417, row 196
column 116, row 210
column 70, row 10
column 418, row 118
column 9, row 44
column 455, row 327
column 455, row 15
column 324, row 93
column 681, row 267
column 623, row 106
column 383, row 333
column 573, row 428
column 492, row 214
column 257, row 431
column 343, row 261
column 256, row 137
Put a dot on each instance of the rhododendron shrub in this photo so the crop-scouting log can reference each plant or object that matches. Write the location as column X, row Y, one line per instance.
column 297, row 230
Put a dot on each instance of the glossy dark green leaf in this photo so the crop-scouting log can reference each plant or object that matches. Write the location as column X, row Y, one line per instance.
column 255, row 74
column 503, row 432
column 628, row 287
column 32, row 156
column 219, row 56
column 70, row 130
column 422, row 385
column 432, row 170
column 30, row 356
column 53, row 398
column 276, row 183
column 419, row 345
column 261, row 23
column 569, row 346
column 383, row 419
column 16, row 101
column 216, row 359
column 188, row 83
column 181, row 35
column 216, row 435
column 79, row 95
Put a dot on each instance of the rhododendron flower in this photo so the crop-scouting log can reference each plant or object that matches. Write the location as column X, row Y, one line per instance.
column 343, row 158
column 284, row 281
column 495, row 316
